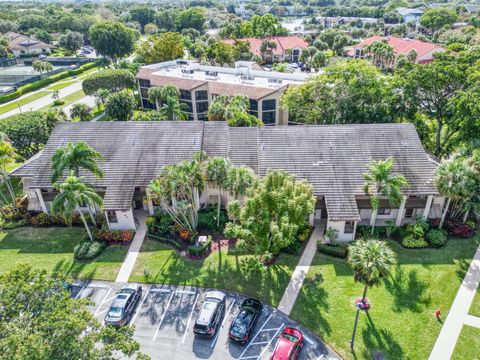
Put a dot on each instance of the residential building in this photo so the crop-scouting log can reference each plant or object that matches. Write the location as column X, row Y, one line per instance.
column 22, row 45
column 410, row 15
column 288, row 48
column 332, row 158
column 424, row 50
column 200, row 84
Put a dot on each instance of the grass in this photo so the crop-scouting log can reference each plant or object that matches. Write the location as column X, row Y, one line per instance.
column 401, row 323
column 69, row 99
column 61, row 85
column 475, row 308
column 24, row 101
column 51, row 249
column 468, row 344
column 158, row 263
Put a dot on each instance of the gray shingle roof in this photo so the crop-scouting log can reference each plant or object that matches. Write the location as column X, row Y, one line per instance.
column 332, row 158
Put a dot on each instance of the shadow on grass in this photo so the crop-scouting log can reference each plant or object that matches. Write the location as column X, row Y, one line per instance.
column 379, row 343
column 408, row 291
column 73, row 269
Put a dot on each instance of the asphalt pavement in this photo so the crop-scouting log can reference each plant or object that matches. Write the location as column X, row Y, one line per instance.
column 165, row 315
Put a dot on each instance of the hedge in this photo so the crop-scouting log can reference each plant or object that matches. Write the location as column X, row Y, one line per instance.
column 162, row 239
column 88, row 250
column 46, row 81
column 200, row 250
column 339, row 251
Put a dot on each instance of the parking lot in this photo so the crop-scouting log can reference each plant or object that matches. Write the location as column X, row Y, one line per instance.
column 165, row 315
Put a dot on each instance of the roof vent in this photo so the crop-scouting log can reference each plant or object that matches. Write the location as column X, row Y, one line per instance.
column 263, row 147
column 330, row 145
column 194, row 141
column 404, row 144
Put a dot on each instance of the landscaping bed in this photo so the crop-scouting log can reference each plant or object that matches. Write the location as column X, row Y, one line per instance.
column 401, row 323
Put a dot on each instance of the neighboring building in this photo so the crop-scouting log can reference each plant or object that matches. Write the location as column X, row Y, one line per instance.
column 424, row 50
column 335, row 21
column 332, row 158
column 200, row 84
column 288, row 48
column 472, row 8
column 410, row 15
column 22, row 45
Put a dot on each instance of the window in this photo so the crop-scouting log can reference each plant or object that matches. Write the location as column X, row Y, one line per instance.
column 202, row 106
column 112, row 216
column 201, row 95
column 147, row 104
column 185, row 95
column 144, row 93
column 349, row 226
column 409, row 213
column 189, row 106
column 295, row 52
column 202, row 117
column 190, row 116
column 253, row 105
column 268, row 117
column 144, row 83
column 269, row 105
column 384, row 211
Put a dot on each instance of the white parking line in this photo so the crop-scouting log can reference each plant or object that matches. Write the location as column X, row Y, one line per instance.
column 102, row 312
column 188, row 292
column 190, row 319
column 102, row 302
column 139, row 307
column 259, row 343
column 253, row 339
column 80, row 292
column 163, row 317
column 160, row 290
column 308, row 340
column 223, row 322
column 98, row 286
column 273, row 338
column 271, row 329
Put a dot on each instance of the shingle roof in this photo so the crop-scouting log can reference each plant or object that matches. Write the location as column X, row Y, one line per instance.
column 283, row 43
column 332, row 158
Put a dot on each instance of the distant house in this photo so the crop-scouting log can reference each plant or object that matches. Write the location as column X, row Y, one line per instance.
column 472, row 8
column 23, row 45
column 288, row 48
column 424, row 50
column 410, row 15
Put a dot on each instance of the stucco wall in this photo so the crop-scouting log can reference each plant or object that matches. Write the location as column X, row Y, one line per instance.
column 340, row 227
column 125, row 221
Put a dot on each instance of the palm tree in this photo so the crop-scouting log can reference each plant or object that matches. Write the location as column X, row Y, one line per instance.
column 73, row 193
column 7, row 152
column 380, row 181
column 101, row 96
column 54, row 116
column 371, row 261
column 239, row 179
column 73, row 157
column 81, row 111
column 155, row 95
column 216, row 171
column 173, row 109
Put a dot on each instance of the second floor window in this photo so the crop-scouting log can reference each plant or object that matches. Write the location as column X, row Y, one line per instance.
column 144, row 83
column 384, row 211
column 269, row 105
column 201, row 95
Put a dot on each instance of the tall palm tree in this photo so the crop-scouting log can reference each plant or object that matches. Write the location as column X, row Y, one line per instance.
column 172, row 109
column 371, row 261
column 72, row 194
column 158, row 94
column 216, row 171
column 81, row 111
column 73, row 157
column 101, row 96
column 239, row 179
column 7, row 153
column 381, row 181
column 54, row 116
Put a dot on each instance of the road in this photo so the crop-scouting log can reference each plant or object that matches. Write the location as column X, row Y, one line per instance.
column 164, row 317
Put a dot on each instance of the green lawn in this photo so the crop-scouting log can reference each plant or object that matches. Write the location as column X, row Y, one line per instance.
column 158, row 263
column 61, row 85
column 24, row 101
column 468, row 345
column 75, row 96
column 475, row 308
column 401, row 323
column 52, row 249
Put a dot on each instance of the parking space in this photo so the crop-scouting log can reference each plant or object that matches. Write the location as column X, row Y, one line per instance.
column 164, row 318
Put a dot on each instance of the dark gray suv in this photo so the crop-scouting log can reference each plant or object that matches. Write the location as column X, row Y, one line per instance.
column 210, row 317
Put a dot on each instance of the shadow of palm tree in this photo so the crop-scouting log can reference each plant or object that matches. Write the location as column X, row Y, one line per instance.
column 408, row 291
column 380, row 343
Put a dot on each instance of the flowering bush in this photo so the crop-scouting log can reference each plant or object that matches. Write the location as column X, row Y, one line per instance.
column 114, row 236
column 455, row 228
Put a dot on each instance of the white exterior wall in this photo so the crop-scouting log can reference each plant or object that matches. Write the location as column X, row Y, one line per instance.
column 125, row 221
column 340, row 227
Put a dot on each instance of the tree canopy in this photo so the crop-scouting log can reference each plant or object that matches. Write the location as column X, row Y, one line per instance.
column 158, row 48
column 112, row 80
column 120, row 106
column 112, row 39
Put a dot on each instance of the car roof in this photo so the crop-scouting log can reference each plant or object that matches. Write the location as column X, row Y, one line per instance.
column 120, row 300
column 215, row 295
column 130, row 287
column 205, row 315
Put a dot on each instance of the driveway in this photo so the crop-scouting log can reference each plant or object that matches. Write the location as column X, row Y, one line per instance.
column 165, row 315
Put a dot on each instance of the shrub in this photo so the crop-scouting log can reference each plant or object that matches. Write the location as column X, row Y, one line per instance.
column 200, row 250
column 332, row 235
column 471, row 223
column 456, row 228
column 43, row 219
column 114, row 236
column 436, row 238
column 411, row 242
column 14, row 224
column 88, row 250
column 207, row 218
column 160, row 225
column 293, row 248
column 339, row 251
column 8, row 214
column 304, row 234
column 58, row 102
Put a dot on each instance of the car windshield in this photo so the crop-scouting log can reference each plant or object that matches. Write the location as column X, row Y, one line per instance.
column 290, row 337
column 208, row 305
column 241, row 322
column 115, row 312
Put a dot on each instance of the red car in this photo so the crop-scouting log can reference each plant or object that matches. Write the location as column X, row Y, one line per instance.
column 289, row 345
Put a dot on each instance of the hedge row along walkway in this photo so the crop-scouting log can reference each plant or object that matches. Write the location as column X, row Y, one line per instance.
column 458, row 314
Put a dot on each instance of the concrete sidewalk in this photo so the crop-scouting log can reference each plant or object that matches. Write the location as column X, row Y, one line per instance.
column 301, row 270
column 458, row 314
column 134, row 249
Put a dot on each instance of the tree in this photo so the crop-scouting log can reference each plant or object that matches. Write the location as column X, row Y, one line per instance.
column 381, row 181
column 157, row 48
column 101, row 96
column 73, row 193
column 150, row 29
column 39, row 319
column 112, row 80
column 239, row 180
column 371, row 261
column 3, row 47
column 223, row 107
column 221, row 53
column 28, row 132
column 339, row 43
column 7, row 154
column 120, row 106
column 437, row 18
column 380, row 52
column 239, row 118
column 191, row 18
column 42, row 66
column 266, row 48
column 347, row 92
column 216, row 171
column 277, row 207
column 54, row 116
column 173, row 109
column 177, row 190
column 71, row 41
column 143, row 15
column 112, row 39
column 73, row 157
column 81, row 111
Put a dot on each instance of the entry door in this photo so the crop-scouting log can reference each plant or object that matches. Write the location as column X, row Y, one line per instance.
column 318, row 214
